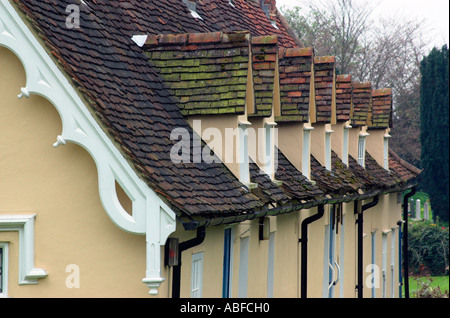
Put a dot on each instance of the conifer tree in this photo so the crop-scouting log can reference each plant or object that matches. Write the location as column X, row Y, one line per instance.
column 434, row 130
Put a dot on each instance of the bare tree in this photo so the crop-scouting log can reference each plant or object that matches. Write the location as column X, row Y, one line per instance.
column 386, row 52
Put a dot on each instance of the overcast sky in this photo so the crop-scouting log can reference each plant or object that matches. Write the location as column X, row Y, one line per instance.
column 435, row 13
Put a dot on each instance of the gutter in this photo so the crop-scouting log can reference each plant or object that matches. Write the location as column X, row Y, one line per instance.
column 176, row 275
column 304, row 248
column 359, row 222
column 405, row 240
column 192, row 224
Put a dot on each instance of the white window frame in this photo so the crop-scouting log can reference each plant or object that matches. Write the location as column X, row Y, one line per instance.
column 362, row 150
column 269, row 154
column 24, row 224
column 345, row 144
column 374, row 259
column 384, row 263
column 306, row 152
column 386, row 151
column 328, row 149
column 197, row 275
column 244, row 166
column 4, row 270
column 393, row 269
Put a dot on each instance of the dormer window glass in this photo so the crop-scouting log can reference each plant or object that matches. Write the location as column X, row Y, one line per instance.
column 328, row 149
column 386, row 151
column 269, row 149
column 345, row 145
column 244, row 172
column 306, row 157
column 362, row 150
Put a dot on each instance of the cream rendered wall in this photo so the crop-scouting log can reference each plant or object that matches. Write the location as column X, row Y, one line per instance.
column 60, row 186
column 384, row 216
column 375, row 144
column 290, row 142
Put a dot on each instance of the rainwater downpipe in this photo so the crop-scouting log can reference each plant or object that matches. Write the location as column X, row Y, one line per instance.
column 176, row 276
column 405, row 240
column 359, row 222
column 304, row 248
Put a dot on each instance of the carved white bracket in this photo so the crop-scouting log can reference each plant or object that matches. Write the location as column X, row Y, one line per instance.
column 24, row 224
column 150, row 215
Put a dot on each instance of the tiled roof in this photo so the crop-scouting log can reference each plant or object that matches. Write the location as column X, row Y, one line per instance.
column 219, row 15
column 207, row 72
column 361, row 103
column 267, row 190
column 381, row 109
column 344, row 94
column 385, row 179
column 369, row 182
column 323, row 81
column 264, row 53
column 328, row 181
column 294, row 183
column 190, row 68
column 402, row 169
column 133, row 103
column 295, row 77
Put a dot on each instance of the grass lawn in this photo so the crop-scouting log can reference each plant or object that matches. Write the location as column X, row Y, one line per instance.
column 441, row 281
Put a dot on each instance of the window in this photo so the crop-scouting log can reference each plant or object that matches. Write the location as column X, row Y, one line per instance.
column 306, row 152
column 392, row 262
column 362, row 150
column 328, row 149
column 386, row 151
column 243, row 267
column 373, row 267
column 333, row 254
column 243, row 154
column 384, row 264
column 3, row 269
column 227, row 262
column 197, row 275
column 271, row 264
column 269, row 149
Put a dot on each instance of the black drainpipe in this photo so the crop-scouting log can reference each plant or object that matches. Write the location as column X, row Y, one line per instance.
column 359, row 222
column 176, row 275
column 304, row 250
column 405, row 240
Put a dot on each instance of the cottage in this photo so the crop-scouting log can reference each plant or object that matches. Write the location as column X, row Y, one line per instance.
column 189, row 149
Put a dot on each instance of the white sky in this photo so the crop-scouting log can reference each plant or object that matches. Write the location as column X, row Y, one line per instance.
column 435, row 14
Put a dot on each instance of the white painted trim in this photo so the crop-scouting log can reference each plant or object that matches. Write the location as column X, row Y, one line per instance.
column 4, row 270
column 197, row 275
column 44, row 78
column 24, row 224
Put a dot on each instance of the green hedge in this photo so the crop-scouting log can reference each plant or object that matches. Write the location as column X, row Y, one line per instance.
column 428, row 248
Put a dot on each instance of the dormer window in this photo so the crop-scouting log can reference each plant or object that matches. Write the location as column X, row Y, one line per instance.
column 269, row 149
column 244, row 172
column 328, row 149
column 345, row 145
column 362, row 149
column 306, row 152
column 386, row 151
column 192, row 7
